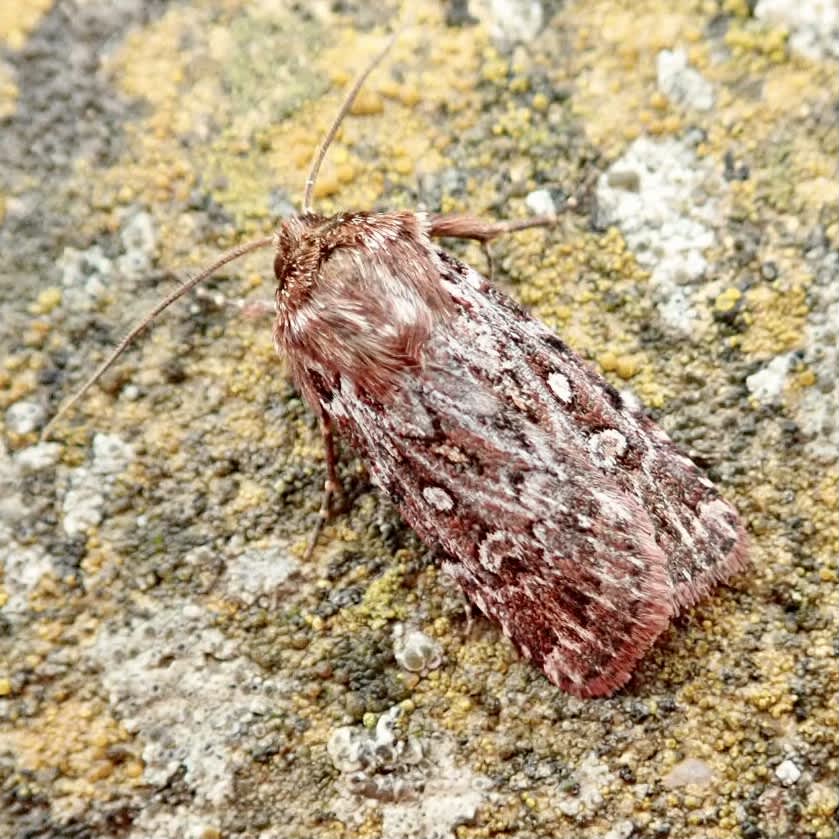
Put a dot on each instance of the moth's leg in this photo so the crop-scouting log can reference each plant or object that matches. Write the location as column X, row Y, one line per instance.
column 249, row 308
column 469, row 612
column 451, row 569
column 470, row 227
column 490, row 262
column 332, row 486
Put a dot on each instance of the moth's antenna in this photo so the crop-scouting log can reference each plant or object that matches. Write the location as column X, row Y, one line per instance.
column 336, row 124
column 227, row 256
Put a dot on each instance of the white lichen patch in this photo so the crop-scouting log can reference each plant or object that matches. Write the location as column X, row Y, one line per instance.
column 813, row 25
column 38, row 457
column 387, row 752
column 258, row 571
column 87, row 275
column 818, row 409
column 663, row 199
column 767, row 385
column 21, row 565
column 89, row 486
column 186, row 692
column 680, row 83
column 593, row 779
column 416, row 787
column 152, row 823
column 139, row 241
column 24, row 417
column 511, row 21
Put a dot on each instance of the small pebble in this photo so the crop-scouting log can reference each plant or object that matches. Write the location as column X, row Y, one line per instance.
column 540, row 203
column 787, row 772
column 24, row 417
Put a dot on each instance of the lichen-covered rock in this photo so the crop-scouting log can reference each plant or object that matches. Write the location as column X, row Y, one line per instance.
column 170, row 662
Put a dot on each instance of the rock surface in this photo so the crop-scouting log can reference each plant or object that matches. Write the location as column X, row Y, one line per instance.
column 170, row 664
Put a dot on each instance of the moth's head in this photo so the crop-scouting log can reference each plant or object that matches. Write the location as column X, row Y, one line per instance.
column 296, row 249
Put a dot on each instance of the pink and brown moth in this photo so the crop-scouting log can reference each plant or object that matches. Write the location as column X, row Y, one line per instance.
column 565, row 513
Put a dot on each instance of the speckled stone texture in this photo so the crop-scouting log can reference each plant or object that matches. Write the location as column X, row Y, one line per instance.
column 170, row 664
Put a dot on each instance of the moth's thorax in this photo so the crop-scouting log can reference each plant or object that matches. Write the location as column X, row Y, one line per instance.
column 358, row 295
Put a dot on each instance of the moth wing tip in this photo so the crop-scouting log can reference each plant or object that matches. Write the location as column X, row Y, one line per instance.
column 622, row 665
column 689, row 593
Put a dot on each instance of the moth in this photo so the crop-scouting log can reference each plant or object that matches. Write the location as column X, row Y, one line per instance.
column 561, row 509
